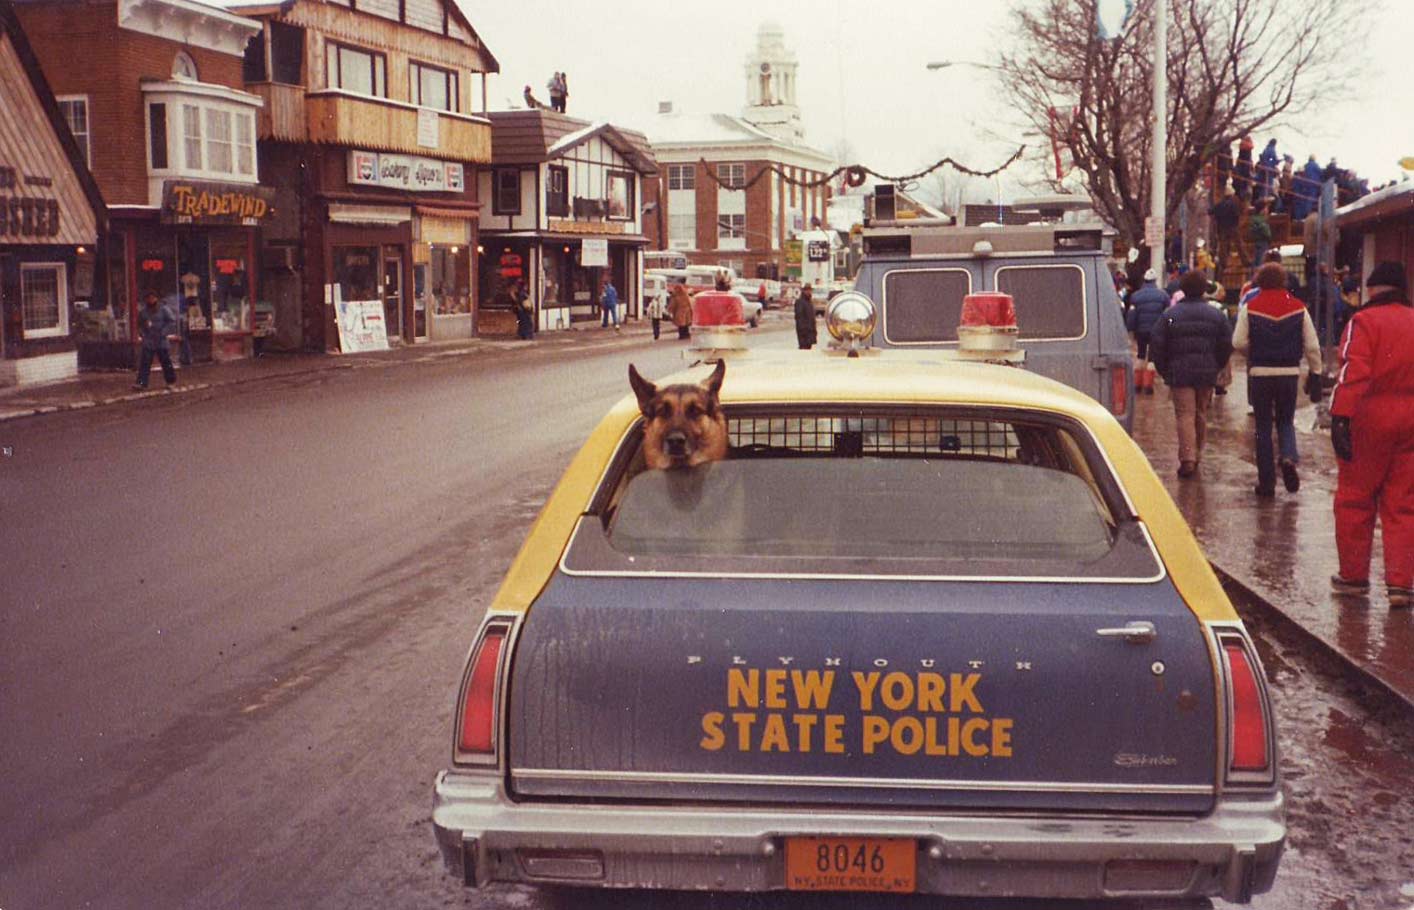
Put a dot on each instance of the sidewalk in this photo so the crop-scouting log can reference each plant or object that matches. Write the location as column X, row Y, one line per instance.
column 1283, row 549
column 93, row 389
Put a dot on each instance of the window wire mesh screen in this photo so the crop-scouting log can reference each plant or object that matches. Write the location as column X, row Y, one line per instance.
column 923, row 305
column 1050, row 300
column 861, row 436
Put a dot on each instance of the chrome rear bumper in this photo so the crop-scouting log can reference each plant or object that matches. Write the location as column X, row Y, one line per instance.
column 485, row 837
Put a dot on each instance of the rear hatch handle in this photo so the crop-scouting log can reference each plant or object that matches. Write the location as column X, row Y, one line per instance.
column 1138, row 632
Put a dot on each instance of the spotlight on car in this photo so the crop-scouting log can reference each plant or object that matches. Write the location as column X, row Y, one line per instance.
column 850, row 320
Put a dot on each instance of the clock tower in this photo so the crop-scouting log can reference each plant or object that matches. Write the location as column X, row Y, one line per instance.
column 770, row 86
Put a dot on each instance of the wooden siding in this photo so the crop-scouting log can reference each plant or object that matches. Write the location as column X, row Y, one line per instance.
column 426, row 14
column 283, row 116
column 336, row 119
column 375, row 33
column 28, row 144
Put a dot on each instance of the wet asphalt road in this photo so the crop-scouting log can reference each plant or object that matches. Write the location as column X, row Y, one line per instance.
column 233, row 620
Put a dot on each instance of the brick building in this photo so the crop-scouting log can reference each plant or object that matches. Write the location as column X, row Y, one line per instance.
column 717, row 198
column 158, row 111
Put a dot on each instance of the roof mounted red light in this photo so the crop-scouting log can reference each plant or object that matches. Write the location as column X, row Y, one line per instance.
column 991, row 309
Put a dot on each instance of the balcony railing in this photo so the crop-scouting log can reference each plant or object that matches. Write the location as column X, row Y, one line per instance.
column 291, row 114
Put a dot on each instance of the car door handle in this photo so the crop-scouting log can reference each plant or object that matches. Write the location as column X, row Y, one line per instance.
column 1139, row 632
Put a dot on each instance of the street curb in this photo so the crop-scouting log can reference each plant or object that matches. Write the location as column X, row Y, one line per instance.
column 1273, row 612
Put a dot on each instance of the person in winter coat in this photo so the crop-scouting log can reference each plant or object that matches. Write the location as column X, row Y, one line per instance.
column 1242, row 171
column 1146, row 305
column 1276, row 333
column 609, row 306
column 155, row 322
column 1227, row 215
column 1307, row 189
column 1285, row 187
column 680, row 308
column 525, row 312
column 1266, row 170
column 1372, row 432
column 1259, row 231
column 1190, row 344
column 657, row 312
column 805, row 334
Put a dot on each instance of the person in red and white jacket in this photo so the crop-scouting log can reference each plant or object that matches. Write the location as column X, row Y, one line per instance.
column 1276, row 333
column 1372, row 432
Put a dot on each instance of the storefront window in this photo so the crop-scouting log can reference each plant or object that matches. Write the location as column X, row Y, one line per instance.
column 553, row 294
column 230, row 285
column 156, row 262
column 356, row 272
column 116, row 320
column 451, row 280
column 45, row 302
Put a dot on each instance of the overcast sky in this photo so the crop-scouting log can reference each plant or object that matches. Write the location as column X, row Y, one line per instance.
column 862, row 75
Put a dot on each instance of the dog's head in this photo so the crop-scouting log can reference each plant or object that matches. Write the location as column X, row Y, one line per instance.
column 684, row 425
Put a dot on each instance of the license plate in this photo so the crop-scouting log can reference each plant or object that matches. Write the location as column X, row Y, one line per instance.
column 851, row 864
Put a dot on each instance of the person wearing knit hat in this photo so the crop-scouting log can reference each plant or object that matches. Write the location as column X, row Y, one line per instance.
column 1372, row 432
column 1190, row 344
column 1146, row 305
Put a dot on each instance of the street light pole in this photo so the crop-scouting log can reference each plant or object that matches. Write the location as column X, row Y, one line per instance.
column 1158, row 203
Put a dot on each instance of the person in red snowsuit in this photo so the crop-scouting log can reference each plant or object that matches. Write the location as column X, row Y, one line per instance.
column 1372, row 431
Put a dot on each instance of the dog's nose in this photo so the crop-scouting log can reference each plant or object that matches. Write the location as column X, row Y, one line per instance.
column 675, row 443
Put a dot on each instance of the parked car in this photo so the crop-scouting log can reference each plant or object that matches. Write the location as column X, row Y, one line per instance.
column 930, row 627
column 1067, row 309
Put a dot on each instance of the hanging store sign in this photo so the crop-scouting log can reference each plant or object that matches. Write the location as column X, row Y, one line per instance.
column 197, row 202
column 406, row 172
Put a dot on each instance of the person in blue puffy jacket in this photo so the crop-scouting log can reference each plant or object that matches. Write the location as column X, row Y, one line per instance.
column 1146, row 305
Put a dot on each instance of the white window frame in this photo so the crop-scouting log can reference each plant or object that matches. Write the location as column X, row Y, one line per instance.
column 732, row 176
column 242, row 140
column 61, row 290
column 682, row 176
column 85, row 140
column 686, row 239
column 729, row 236
column 216, row 144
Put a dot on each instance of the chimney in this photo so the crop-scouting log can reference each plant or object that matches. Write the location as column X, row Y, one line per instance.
column 665, row 107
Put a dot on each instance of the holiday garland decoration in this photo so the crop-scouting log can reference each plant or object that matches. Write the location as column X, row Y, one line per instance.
column 856, row 174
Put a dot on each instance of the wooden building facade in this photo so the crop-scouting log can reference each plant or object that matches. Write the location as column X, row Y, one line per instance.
column 372, row 132
column 564, row 214
column 51, row 213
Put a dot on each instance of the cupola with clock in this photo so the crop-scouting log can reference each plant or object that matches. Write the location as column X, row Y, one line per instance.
column 770, row 86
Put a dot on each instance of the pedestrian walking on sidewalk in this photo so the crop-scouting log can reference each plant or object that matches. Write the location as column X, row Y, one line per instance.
column 657, row 311
column 680, row 306
column 609, row 306
column 1372, row 432
column 154, row 323
column 1146, row 307
column 1276, row 333
column 1190, row 344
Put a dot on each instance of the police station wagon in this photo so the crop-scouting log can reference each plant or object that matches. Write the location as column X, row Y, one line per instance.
column 930, row 626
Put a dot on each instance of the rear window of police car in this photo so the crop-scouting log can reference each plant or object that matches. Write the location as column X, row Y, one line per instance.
column 924, row 305
column 932, row 493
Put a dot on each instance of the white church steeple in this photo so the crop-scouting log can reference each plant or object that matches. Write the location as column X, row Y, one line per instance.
column 770, row 86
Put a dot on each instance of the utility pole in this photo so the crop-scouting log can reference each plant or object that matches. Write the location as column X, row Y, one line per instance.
column 1157, row 202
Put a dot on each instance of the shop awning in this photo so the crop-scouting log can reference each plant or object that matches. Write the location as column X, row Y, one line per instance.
column 442, row 211
column 344, row 213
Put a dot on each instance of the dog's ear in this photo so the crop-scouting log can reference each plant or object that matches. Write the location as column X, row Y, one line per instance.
column 642, row 388
column 713, row 384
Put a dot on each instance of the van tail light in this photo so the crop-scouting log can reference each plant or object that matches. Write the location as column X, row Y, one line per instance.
column 476, row 729
column 1249, row 740
column 1119, row 390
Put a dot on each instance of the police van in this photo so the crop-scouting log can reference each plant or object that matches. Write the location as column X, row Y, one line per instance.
column 1069, row 318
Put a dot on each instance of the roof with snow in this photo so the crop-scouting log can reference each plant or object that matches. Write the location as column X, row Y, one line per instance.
column 691, row 130
column 1391, row 202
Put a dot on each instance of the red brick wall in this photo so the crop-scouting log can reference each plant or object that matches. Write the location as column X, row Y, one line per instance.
column 84, row 52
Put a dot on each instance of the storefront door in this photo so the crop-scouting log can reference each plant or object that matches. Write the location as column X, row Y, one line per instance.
column 393, row 292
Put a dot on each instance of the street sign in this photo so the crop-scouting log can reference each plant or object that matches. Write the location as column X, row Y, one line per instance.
column 1154, row 233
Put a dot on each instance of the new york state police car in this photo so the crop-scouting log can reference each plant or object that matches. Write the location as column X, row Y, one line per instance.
column 933, row 626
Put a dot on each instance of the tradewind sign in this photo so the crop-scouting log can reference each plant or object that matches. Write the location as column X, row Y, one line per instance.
column 197, row 202
column 405, row 172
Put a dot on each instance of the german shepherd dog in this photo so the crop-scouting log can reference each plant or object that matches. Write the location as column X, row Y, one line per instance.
column 685, row 426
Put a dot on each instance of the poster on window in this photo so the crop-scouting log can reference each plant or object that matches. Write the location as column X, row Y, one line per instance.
column 594, row 252
column 361, row 326
column 620, row 201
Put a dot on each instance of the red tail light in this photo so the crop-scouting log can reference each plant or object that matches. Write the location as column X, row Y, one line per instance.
column 1119, row 390
column 1249, row 718
column 478, row 709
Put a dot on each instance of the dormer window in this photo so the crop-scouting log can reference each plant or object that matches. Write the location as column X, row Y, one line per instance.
column 184, row 67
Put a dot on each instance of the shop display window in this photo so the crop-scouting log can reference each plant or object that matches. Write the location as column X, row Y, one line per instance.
column 44, row 299
column 230, row 285
column 356, row 272
column 451, row 279
column 553, row 294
